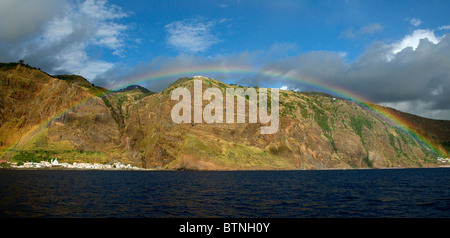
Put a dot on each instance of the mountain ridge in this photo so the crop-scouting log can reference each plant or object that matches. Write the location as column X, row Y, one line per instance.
column 46, row 116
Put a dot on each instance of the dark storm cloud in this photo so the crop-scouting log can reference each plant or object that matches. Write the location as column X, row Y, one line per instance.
column 411, row 75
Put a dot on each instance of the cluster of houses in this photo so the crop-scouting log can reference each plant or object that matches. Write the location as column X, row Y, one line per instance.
column 443, row 160
column 55, row 164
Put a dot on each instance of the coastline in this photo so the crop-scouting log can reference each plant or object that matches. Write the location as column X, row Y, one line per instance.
column 228, row 170
column 77, row 169
column 119, row 166
column 55, row 165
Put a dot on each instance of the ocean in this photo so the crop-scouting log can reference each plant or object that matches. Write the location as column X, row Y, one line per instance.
column 365, row 193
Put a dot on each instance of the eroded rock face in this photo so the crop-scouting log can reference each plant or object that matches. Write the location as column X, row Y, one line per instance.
column 69, row 117
column 316, row 132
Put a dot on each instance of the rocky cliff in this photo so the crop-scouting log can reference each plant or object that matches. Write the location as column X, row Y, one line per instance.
column 65, row 116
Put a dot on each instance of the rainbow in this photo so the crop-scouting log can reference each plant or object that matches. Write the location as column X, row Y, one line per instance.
column 228, row 70
column 242, row 70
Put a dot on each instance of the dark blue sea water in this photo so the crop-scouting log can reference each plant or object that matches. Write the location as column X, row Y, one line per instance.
column 379, row 193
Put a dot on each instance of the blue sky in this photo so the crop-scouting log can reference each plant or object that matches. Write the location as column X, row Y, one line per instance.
column 258, row 25
column 395, row 53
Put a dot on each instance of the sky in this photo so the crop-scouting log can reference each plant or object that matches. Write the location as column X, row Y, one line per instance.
column 393, row 53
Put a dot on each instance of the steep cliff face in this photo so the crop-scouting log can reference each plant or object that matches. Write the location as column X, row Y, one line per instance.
column 43, row 117
column 316, row 131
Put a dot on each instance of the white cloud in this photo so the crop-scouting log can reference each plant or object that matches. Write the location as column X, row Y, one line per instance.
column 415, row 21
column 98, row 9
column 437, row 91
column 343, row 54
column 191, row 35
column 412, row 41
column 447, row 27
column 57, row 29
column 77, row 61
column 58, row 42
column 107, row 33
column 110, row 35
column 291, row 88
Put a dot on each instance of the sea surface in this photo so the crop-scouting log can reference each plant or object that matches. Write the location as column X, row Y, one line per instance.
column 375, row 193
